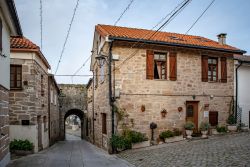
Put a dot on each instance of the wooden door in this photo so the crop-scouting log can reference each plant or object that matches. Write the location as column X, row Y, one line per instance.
column 192, row 113
column 39, row 129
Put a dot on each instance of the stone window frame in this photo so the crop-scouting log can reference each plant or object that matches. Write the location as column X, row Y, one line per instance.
column 15, row 80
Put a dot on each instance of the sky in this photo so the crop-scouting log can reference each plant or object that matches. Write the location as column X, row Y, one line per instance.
column 224, row 16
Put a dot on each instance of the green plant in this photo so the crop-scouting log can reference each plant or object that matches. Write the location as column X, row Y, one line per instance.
column 136, row 137
column 231, row 120
column 204, row 126
column 166, row 134
column 121, row 113
column 21, row 145
column 189, row 125
column 221, row 129
column 177, row 132
column 119, row 142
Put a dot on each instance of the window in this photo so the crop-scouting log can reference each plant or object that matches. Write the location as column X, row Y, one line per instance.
column 96, row 77
column 42, row 86
column 212, row 69
column 104, row 123
column 55, row 99
column 51, row 96
column 160, row 66
column 157, row 65
column 1, row 36
column 25, row 122
column 15, row 76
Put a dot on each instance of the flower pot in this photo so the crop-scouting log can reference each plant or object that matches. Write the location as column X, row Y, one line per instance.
column 141, row 144
column 22, row 152
column 232, row 128
column 189, row 133
column 174, row 139
column 204, row 133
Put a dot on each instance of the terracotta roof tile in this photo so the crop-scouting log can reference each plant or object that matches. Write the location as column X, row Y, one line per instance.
column 22, row 43
column 167, row 37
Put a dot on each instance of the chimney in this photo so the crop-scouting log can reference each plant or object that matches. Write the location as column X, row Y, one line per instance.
column 222, row 38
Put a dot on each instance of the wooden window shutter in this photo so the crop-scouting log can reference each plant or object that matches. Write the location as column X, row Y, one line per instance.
column 213, row 118
column 204, row 68
column 150, row 64
column 172, row 66
column 223, row 61
column 1, row 35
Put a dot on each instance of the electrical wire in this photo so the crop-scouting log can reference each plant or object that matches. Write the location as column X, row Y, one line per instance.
column 67, row 36
column 200, row 16
column 41, row 24
column 174, row 13
column 82, row 65
column 125, row 10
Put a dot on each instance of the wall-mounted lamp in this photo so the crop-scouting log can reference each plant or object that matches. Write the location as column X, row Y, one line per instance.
column 180, row 109
column 100, row 60
column 143, row 108
column 194, row 97
column 164, row 113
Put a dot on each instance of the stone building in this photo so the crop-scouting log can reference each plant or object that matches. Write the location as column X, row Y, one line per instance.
column 9, row 25
column 29, row 97
column 53, row 110
column 72, row 101
column 90, row 113
column 159, row 77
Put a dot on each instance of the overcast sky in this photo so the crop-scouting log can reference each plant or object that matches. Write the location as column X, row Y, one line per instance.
column 227, row 16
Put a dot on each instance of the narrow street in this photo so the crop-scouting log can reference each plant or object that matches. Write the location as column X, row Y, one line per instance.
column 70, row 153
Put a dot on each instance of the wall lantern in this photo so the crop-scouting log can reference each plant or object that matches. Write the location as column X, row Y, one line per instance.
column 143, row 108
column 164, row 113
column 180, row 109
column 194, row 97
column 100, row 60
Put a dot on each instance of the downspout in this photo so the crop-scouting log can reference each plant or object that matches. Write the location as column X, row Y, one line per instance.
column 93, row 109
column 110, row 89
column 49, row 109
column 236, row 99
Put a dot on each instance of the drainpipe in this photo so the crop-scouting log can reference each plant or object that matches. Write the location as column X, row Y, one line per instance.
column 93, row 109
column 236, row 85
column 110, row 89
column 49, row 109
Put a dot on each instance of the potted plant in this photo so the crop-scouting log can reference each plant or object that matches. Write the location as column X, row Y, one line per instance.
column 166, row 134
column 189, row 126
column 204, row 127
column 231, row 123
column 21, row 147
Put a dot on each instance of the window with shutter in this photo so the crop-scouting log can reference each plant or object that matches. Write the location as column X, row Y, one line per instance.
column 1, row 36
column 16, row 76
column 223, row 69
column 172, row 66
column 204, row 68
column 150, row 65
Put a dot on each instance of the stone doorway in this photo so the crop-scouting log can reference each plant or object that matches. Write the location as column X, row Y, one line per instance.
column 76, row 123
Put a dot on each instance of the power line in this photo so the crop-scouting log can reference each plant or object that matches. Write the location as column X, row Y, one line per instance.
column 200, row 16
column 41, row 23
column 125, row 10
column 82, row 65
column 173, row 14
column 67, row 36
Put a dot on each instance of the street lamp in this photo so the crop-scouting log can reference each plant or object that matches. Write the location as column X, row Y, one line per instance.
column 100, row 60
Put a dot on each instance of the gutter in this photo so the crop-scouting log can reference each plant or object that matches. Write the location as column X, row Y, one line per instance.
column 13, row 12
column 176, row 44
column 236, row 100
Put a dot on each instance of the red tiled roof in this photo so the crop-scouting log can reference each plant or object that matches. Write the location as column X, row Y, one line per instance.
column 20, row 43
column 165, row 37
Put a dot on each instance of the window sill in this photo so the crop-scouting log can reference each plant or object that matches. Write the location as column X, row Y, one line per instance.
column 16, row 89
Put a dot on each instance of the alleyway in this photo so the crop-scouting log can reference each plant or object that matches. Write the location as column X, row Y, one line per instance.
column 70, row 153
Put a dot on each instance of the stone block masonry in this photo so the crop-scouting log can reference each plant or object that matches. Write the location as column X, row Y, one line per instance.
column 4, row 126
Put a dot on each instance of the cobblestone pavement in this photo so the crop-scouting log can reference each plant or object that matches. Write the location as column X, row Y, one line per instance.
column 71, row 153
column 226, row 150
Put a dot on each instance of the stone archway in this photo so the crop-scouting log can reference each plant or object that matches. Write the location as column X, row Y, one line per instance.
column 78, row 113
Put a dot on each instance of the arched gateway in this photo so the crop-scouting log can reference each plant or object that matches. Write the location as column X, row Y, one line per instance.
column 72, row 102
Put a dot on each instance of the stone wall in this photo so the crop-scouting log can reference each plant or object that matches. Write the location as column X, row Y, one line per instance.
column 4, row 125
column 54, row 111
column 73, row 97
column 136, row 91
column 31, row 102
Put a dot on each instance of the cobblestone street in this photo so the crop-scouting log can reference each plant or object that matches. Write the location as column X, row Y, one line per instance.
column 227, row 150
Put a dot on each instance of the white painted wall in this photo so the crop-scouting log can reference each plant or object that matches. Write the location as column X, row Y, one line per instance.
column 28, row 132
column 244, row 92
column 5, row 61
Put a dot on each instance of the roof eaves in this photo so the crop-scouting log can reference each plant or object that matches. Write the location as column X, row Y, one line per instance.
column 12, row 9
column 175, row 44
